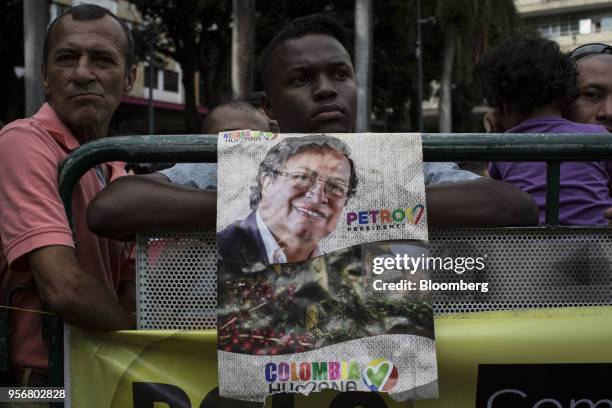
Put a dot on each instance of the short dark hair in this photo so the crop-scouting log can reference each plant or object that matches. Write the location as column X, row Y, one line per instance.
column 278, row 155
column 256, row 99
column 88, row 12
column 300, row 27
column 236, row 105
column 526, row 71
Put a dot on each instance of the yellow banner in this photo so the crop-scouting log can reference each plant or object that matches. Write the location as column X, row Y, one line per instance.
column 178, row 369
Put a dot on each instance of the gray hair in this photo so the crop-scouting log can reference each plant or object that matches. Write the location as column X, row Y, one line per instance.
column 278, row 155
column 88, row 12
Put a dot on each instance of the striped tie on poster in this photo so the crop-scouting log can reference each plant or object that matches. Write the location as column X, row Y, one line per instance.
column 317, row 285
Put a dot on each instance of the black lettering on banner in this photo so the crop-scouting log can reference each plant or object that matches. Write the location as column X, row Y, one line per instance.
column 213, row 400
column 351, row 386
column 275, row 387
column 322, row 386
column 146, row 394
column 358, row 399
column 577, row 385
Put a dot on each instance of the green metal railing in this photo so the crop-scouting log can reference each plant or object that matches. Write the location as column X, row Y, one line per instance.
column 552, row 148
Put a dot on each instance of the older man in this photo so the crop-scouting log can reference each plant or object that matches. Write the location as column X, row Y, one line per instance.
column 88, row 65
column 302, row 186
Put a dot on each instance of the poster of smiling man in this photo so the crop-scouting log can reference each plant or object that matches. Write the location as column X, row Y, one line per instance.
column 301, row 221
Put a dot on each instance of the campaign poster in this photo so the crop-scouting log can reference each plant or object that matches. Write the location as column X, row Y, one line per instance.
column 319, row 239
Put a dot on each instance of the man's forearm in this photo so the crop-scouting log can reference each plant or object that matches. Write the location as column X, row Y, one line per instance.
column 92, row 308
column 480, row 203
column 74, row 295
column 142, row 204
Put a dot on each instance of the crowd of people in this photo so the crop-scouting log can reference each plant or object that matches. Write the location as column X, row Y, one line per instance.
column 530, row 85
column 308, row 87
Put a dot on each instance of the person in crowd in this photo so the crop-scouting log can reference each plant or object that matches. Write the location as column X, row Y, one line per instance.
column 309, row 81
column 182, row 193
column 243, row 114
column 88, row 65
column 302, row 186
column 527, row 80
column 235, row 115
column 257, row 99
column 593, row 98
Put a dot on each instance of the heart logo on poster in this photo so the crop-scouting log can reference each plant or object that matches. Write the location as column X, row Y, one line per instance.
column 378, row 374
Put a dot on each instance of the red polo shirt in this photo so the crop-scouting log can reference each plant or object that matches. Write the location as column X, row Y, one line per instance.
column 32, row 216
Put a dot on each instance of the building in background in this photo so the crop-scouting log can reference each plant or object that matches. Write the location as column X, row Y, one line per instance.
column 168, row 93
column 569, row 22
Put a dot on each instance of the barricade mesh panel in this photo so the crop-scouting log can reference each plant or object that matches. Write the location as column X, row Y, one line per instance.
column 177, row 281
column 527, row 268
column 524, row 268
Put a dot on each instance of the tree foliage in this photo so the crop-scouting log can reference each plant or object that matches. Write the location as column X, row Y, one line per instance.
column 395, row 62
column 195, row 34
column 274, row 14
column 394, row 46
column 470, row 27
column 198, row 37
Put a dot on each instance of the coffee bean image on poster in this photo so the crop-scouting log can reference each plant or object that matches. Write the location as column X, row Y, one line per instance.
column 302, row 306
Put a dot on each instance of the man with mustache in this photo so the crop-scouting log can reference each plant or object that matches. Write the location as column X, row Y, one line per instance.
column 309, row 80
column 88, row 65
column 593, row 99
column 301, row 188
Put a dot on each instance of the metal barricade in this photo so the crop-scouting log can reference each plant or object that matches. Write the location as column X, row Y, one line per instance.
column 195, row 307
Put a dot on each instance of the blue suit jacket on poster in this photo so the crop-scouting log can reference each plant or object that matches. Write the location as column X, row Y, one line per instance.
column 241, row 242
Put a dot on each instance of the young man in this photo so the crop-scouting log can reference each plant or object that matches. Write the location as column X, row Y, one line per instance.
column 526, row 79
column 310, row 83
column 88, row 65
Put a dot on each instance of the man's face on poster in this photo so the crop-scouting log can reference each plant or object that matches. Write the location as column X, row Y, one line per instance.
column 304, row 201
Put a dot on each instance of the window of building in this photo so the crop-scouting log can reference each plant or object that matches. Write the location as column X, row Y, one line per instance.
column 585, row 26
column 171, row 81
column 583, row 23
column 147, row 79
